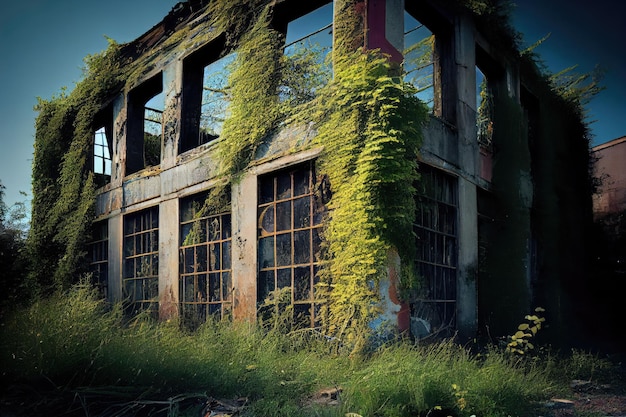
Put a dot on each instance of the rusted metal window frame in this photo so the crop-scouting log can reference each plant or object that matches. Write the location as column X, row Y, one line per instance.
column 437, row 245
column 300, row 305
column 142, row 229
column 204, row 303
column 99, row 257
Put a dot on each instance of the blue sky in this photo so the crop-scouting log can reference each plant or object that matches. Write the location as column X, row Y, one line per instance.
column 43, row 43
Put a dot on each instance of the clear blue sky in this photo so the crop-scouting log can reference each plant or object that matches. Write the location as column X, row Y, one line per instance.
column 43, row 43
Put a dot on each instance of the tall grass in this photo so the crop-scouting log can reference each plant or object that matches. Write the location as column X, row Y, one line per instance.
column 76, row 343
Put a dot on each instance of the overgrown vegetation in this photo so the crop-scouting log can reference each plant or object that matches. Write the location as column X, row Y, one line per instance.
column 368, row 123
column 81, row 357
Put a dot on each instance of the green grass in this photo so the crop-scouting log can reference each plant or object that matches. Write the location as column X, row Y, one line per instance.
column 75, row 352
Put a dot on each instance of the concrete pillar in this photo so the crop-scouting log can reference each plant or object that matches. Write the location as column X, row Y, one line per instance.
column 172, row 87
column 116, row 240
column 465, row 58
column 168, row 259
column 467, row 261
column 244, row 248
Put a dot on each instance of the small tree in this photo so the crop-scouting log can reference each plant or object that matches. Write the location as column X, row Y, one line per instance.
column 13, row 229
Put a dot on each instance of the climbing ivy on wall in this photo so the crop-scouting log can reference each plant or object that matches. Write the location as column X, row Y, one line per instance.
column 63, row 183
column 370, row 127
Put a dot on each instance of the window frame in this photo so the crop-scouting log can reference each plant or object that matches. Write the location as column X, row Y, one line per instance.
column 303, row 261
column 142, row 228
column 203, row 252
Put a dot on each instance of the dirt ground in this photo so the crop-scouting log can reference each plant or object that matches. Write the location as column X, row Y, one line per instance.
column 592, row 400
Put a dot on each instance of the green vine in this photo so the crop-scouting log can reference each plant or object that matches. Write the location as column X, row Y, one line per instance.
column 254, row 90
column 63, row 184
column 370, row 127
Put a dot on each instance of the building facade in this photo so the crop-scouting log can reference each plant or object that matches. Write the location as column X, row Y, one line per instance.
column 496, row 166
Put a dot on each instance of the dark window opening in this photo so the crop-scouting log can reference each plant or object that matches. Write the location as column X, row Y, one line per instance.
column 434, row 309
column 145, row 125
column 290, row 213
column 141, row 261
column 99, row 257
column 308, row 44
column 102, row 147
column 205, row 276
column 205, row 95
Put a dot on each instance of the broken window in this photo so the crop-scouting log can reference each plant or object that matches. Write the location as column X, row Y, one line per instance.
column 141, row 260
column 205, row 94
column 290, row 216
column 145, row 125
column 419, row 59
column 434, row 310
column 206, row 287
column 99, row 257
column 308, row 43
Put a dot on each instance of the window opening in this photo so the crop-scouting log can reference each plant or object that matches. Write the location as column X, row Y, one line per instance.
column 419, row 62
column 308, row 43
column 289, row 223
column 145, row 125
column 205, row 279
column 434, row 311
column 99, row 257
column 215, row 98
column 141, row 260
column 484, row 112
column 153, row 129
column 205, row 98
column 102, row 155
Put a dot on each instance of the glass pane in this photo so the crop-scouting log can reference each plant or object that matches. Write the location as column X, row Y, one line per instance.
column 266, row 285
column 214, row 257
column 283, row 186
column 215, row 288
column 226, row 233
column 266, row 220
column 226, row 286
column 283, row 249
column 283, row 216
column 266, row 252
column 302, row 212
column 283, row 278
column 266, row 190
column 226, row 256
column 301, row 182
column 302, row 284
column 302, row 247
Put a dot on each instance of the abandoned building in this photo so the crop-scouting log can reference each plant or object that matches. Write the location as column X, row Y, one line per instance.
column 501, row 200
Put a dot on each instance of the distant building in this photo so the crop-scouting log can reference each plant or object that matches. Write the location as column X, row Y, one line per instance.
column 503, row 206
column 610, row 169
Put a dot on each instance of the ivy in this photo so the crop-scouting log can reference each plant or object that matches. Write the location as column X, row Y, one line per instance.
column 254, row 89
column 369, row 124
column 63, row 184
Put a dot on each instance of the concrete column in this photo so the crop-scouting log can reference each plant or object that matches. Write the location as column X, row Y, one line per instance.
column 116, row 240
column 168, row 259
column 467, row 260
column 244, row 248
column 465, row 58
column 172, row 87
